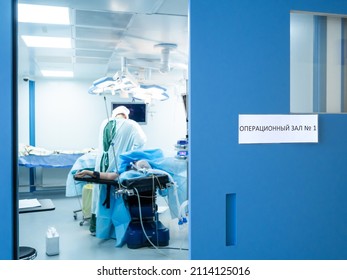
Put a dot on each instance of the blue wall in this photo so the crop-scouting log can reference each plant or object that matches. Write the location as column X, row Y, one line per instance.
column 8, row 204
column 290, row 198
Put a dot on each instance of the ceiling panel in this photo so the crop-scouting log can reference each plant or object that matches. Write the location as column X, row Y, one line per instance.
column 85, row 70
column 174, row 7
column 95, row 45
column 132, row 6
column 105, row 31
column 112, row 20
column 37, row 52
column 53, row 59
column 91, row 60
column 96, row 54
column 98, row 33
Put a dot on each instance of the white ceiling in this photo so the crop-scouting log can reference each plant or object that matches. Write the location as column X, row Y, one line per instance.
column 104, row 31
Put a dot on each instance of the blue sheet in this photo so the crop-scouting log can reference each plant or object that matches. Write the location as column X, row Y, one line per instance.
column 86, row 161
column 48, row 161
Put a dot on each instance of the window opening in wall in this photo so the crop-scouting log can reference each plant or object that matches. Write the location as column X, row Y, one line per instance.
column 318, row 74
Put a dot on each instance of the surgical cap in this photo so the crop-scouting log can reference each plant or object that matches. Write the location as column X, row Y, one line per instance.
column 121, row 110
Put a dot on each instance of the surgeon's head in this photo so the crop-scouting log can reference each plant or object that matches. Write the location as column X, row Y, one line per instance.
column 121, row 111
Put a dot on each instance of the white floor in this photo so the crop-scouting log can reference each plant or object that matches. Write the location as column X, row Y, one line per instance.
column 76, row 242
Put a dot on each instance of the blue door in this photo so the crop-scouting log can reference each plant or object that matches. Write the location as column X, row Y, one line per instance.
column 258, row 201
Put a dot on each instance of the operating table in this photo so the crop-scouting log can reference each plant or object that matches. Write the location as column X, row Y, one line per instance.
column 139, row 194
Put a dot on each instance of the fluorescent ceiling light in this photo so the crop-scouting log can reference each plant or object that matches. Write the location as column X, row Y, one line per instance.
column 47, row 42
column 43, row 14
column 50, row 73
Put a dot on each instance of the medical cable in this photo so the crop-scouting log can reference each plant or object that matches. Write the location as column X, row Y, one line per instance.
column 154, row 192
column 173, row 248
column 154, row 206
column 173, row 184
column 152, row 197
column 142, row 226
column 182, row 220
column 156, row 217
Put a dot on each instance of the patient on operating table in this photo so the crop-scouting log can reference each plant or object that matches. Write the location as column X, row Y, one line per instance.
column 113, row 222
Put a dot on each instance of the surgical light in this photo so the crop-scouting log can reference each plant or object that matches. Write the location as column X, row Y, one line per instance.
column 126, row 85
column 149, row 92
column 95, row 90
column 125, row 81
column 104, row 82
column 47, row 42
column 43, row 14
column 119, row 83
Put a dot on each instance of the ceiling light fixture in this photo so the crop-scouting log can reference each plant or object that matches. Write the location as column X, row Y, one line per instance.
column 47, row 42
column 43, row 14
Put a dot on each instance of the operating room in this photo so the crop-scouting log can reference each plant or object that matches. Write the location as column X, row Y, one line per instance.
column 146, row 45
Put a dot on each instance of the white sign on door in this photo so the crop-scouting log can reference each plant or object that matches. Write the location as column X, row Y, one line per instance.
column 278, row 129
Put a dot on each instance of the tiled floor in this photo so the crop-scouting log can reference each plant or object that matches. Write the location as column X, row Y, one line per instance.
column 75, row 241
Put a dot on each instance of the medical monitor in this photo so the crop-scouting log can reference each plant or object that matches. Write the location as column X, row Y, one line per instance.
column 137, row 111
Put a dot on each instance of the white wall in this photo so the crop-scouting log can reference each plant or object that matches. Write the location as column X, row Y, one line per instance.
column 68, row 118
